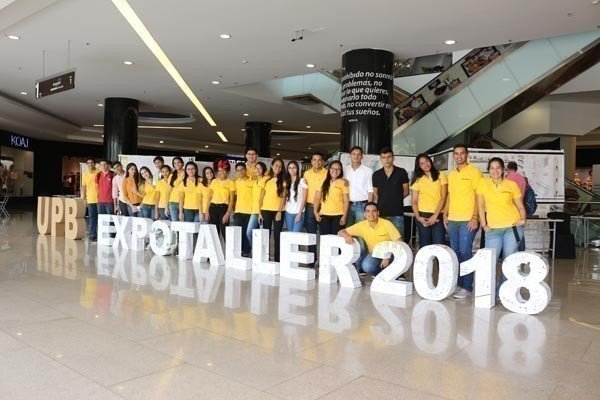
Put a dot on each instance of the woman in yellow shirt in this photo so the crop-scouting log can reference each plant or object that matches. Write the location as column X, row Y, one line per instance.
column 191, row 190
column 163, row 191
column 221, row 195
column 133, row 190
column 258, row 184
column 149, row 191
column 208, row 175
column 429, row 191
column 501, row 211
column 272, row 202
column 176, row 177
column 332, row 201
column 243, row 203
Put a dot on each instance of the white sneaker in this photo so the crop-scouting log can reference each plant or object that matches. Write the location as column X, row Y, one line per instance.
column 461, row 293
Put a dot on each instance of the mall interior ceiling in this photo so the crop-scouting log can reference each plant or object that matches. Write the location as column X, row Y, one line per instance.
column 216, row 47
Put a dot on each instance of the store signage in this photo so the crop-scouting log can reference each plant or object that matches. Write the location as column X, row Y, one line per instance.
column 55, row 84
column 335, row 260
column 19, row 141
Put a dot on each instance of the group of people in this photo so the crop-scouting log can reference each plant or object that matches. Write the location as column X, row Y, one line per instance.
column 351, row 200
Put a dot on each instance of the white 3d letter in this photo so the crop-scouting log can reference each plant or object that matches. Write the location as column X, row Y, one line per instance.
column 105, row 229
column 291, row 257
column 329, row 261
column 208, row 246
column 162, row 240
column 140, row 227
column 186, row 237
column 233, row 249
column 260, row 253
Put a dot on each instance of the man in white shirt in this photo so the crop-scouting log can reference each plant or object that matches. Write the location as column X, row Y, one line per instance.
column 359, row 177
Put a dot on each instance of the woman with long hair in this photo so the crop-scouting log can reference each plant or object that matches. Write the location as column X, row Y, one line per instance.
column 295, row 198
column 191, row 193
column 429, row 191
column 133, row 190
column 258, row 185
column 222, row 192
column 163, row 191
column 149, row 192
column 174, row 180
column 501, row 211
column 272, row 202
column 332, row 201
column 208, row 175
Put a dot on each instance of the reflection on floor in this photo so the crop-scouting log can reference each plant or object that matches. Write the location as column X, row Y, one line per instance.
column 139, row 326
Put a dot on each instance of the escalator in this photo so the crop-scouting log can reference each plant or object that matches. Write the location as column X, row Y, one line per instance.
column 487, row 87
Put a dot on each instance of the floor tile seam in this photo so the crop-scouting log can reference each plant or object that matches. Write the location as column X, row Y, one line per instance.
column 295, row 376
column 8, row 329
column 297, row 353
column 337, row 388
column 183, row 363
column 409, row 388
column 586, row 350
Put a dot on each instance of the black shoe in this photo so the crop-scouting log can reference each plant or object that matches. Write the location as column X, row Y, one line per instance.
column 93, row 239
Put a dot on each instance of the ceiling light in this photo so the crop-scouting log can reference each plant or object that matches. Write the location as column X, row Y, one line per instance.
column 280, row 121
column 311, row 132
column 243, row 129
column 100, row 105
column 450, row 42
column 13, row 37
column 596, row 2
column 222, row 136
column 225, row 36
column 310, row 65
column 155, row 127
column 128, row 62
column 278, row 144
column 139, row 27
column 23, row 93
column 161, row 142
column 215, row 82
column 206, row 147
column 244, row 61
column 102, row 136
column 278, row 154
column 307, row 126
column 245, row 114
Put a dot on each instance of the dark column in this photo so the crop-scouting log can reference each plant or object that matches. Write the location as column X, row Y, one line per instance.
column 258, row 135
column 120, row 127
column 367, row 95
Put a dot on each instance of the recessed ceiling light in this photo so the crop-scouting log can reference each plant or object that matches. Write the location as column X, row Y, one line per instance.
column 161, row 142
column 596, row 2
column 307, row 126
column 310, row 65
column 222, row 136
column 245, row 114
column 278, row 144
column 206, row 147
column 244, row 61
column 100, row 105
column 225, row 36
column 278, row 154
column 128, row 62
column 23, row 93
column 305, row 132
column 310, row 148
column 215, row 82
column 280, row 121
column 13, row 37
column 102, row 136
column 243, row 129
column 450, row 42
column 505, row 79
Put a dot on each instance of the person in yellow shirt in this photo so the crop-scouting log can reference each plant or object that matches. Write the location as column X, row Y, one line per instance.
column 461, row 213
column 191, row 193
column 222, row 196
column 272, row 202
column 372, row 230
column 133, row 190
column 243, row 203
column 501, row 211
column 89, row 194
column 149, row 193
column 258, row 184
column 332, row 201
column 251, row 161
column 163, row 191
column 314, row 178
column 208, row 175
column 429, row 191
column 172, row 211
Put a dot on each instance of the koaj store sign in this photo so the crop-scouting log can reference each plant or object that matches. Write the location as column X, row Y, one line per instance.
column 336, row 258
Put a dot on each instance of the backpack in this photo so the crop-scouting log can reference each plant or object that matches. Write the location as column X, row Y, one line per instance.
column 529, row 201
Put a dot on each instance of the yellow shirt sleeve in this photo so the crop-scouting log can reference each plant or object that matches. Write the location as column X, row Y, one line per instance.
column 354, row 230
column 481, row 188
column 516, row 192
column 415, row 186
column 443, row 179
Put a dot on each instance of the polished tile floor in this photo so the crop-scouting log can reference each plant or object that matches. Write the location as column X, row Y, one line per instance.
column 138, row 326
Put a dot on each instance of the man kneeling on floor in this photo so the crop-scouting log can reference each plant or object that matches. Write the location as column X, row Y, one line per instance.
column 372, row 231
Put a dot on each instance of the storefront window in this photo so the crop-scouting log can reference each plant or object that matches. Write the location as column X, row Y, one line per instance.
column 16, row 172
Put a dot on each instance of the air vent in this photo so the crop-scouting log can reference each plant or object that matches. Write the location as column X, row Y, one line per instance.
column 310, row 103
column 164, row 118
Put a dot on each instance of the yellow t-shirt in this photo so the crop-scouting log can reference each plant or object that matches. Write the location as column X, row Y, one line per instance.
column 334, row 203
column 221, row 190
column 383, row 231
column 314, row 182
column 149, row 194
column 91, row 187
column 163, row 190
column 174, row 196
column 461, row 189
column 257, row 187
column 430, row 192
column 271, row 201
column 500, row 208
column 204, row 191
column 191, row 194
column 250, row 171
column 243, row 190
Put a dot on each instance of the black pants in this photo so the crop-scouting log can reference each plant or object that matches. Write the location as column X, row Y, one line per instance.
column 330, row 224
column 217, row 212
column 268, row 220
column 124, row 209
column 242, row 220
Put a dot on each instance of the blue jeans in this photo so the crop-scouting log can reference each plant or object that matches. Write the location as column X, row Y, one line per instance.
column 133, row 210
column 430, row 234
column 106, row 208
column 356, row 213
column 311, row 225
column 398, row 222
column 461, row 241
column 174, row 211
column 504, row 241
column 191, row 215
column 252, row 224
column 92, row 210
column 369, row 264
column 161, row 214
column 291, row 225
column 147, row 211
column 124, row 209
